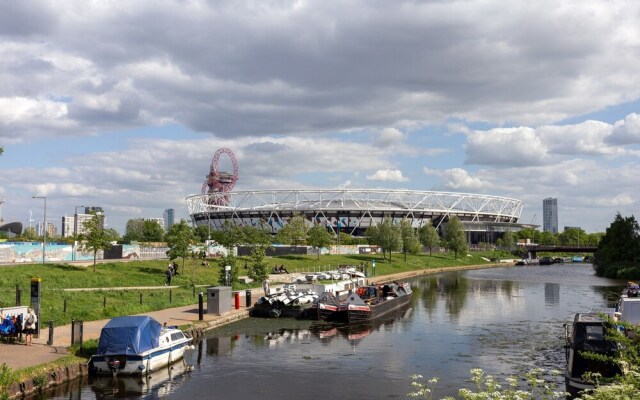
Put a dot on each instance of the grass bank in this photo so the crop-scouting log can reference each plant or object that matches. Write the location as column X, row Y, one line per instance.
column 62, row 306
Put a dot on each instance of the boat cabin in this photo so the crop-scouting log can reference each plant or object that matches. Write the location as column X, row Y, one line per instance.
column 588, row 335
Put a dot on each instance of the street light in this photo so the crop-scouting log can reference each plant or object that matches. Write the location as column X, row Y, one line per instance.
column 44, row 233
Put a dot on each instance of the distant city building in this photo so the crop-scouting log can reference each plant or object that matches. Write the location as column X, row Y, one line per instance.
column 89, row 212
column 160, row 221
column 550, row 215
column 68, row 226
column 51, row 229
column 169, row 218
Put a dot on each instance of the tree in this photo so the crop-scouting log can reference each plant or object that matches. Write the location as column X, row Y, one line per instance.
column 230, row 235
column 410, row 243
column 152, row 231
column 256, row 235
column 429, row 236
column 258, row 268
column 133, row 230
column 573, row 237
column 318, row 237
column 387, row 236
column 548, row 238
column 454, row 236
column 508, row 240
column 95, row 238
column 180, row 238
column 294, row 232
column 616, row 256
column 202, row 232
column 29, row 234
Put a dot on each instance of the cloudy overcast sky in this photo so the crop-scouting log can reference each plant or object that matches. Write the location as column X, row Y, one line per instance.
column 122, row 104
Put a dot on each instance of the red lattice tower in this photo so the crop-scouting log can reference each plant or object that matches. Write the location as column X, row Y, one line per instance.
column 220, row 181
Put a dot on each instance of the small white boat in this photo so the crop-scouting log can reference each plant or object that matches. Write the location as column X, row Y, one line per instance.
column 137, row 345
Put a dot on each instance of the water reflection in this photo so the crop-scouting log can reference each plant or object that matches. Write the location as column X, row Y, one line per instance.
column 156, row 385
column 504, row 320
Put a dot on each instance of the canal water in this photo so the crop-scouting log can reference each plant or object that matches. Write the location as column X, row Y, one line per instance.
column 504, row 320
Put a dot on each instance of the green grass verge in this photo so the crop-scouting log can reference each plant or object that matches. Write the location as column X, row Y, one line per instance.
column 103, row 304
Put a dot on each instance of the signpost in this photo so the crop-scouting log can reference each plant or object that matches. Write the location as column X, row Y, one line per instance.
column 35, row 302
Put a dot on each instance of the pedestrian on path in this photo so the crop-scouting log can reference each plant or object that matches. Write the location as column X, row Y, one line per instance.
column 30, row 321
column 265, row 286
column 168, row 274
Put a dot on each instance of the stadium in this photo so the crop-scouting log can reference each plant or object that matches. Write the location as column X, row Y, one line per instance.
column 352, row 211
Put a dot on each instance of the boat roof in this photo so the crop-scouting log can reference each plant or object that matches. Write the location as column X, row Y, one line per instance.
column 588, row 318
column 129, row 335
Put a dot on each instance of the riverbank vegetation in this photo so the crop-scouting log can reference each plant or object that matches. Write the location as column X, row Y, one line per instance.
column 618, row 254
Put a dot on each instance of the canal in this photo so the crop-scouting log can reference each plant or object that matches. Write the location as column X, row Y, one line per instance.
column 503, row 320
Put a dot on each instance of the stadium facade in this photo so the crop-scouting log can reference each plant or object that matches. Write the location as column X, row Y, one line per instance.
column 352, row 211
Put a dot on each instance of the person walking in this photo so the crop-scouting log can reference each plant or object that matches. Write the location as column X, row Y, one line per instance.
column 265, row 286
column 168, row 274
column 30, row 321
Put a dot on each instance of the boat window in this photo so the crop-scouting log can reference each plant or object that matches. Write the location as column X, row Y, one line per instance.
column 177, row 336
column 595, row 332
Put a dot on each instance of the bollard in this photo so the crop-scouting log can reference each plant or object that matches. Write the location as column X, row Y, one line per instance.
column 17, row 295
column 73, row 331
column 65, row 307
column 236, row 296
column 81, row 334
column 140, row 297
column 200, row 307
column 247, row 298
column 104, row 302
column 50, row 341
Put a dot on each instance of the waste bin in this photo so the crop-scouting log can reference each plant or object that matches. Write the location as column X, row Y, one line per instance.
column 218, row 300
column 236, row 298
column 248, row 298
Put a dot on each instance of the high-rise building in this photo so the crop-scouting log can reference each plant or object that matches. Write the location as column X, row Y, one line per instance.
column 51, row 229
column 550, row 215
column 169, row 215
column 159, row 221
column 68, row 226
column 89, row 212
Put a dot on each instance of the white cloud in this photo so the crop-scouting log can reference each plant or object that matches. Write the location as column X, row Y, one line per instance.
column 234, row 68
column 389, row 137
column 626, row 131
column 506, row 147
column 388, row 175
column 458, row 179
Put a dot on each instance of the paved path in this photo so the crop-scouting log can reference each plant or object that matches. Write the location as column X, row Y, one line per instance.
column 20, row 356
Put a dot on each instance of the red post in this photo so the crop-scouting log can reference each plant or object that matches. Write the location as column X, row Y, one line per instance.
column 237, row 298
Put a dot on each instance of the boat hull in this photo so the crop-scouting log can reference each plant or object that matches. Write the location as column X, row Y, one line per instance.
column 361, row 315
column 139, row 364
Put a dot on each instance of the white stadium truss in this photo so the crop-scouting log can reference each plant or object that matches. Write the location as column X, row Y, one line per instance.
column 350, row 210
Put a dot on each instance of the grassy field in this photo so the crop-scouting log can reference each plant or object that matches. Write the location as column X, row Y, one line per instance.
column 104, row 303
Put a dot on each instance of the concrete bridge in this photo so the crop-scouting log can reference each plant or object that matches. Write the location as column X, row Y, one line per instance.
column 533, row 250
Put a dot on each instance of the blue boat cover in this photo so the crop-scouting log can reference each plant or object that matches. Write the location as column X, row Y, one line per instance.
column 129, row 336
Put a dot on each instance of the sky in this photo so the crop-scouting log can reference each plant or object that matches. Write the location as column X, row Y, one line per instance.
column 122, row 104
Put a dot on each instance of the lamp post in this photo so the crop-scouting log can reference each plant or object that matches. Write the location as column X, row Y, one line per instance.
column 44, row 232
